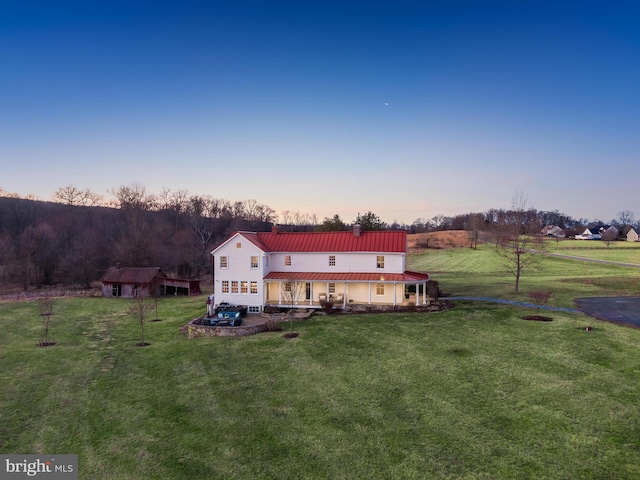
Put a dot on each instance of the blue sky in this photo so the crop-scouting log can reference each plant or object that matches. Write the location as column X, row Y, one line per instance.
column 407, row 109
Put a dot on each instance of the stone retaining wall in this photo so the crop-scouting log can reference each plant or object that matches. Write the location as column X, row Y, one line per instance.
column 195, row 329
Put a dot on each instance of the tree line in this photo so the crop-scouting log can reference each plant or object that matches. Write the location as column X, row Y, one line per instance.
column 76, row 236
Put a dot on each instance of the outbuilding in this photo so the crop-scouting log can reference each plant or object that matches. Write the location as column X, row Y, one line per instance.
column 129, row 282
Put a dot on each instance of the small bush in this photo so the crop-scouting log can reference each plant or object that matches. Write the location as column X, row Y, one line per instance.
column 327, row 306
column 539, row 298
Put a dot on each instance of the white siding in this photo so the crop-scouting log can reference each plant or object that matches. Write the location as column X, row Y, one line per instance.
column 345, row 262
column 239, row 269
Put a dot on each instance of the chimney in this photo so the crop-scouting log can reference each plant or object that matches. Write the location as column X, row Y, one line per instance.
column 274, row 229
column 356, row 230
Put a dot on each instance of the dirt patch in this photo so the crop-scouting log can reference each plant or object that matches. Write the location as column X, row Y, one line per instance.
column 623, row 310
column 537, row 318
column 419, row 242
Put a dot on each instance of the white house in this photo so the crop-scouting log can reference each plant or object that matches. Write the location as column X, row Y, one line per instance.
column 553, row 231
column 589, row 234
column 302, row 269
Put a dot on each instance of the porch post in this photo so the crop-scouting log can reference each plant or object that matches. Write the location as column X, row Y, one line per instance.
column 264, row 293
column 395, row 294
column 369, row 293
column 344, row 294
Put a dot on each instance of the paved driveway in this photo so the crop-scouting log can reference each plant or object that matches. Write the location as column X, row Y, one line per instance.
column 613, row 309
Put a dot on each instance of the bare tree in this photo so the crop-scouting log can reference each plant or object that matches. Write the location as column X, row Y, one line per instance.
column 173, row 203
column 71, row 195
column 133, row 197
column 292, row 293
column 198, row 210
column 609, row 235
column 625, row 217
column 472, row 225
column 140, row 308
column 539, row 298
column 518, row 238
column 46, row 311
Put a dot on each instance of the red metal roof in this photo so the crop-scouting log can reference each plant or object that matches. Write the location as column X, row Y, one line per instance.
column 367, row 241
column 406, row 277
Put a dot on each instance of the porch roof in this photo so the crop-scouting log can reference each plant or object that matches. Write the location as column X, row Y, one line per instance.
column 406, row 277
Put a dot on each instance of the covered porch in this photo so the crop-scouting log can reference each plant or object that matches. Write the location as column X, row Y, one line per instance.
column 312, row 290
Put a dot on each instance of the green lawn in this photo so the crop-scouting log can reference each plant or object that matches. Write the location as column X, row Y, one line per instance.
column 628, row 252
column 473, row 392
column 482, row 272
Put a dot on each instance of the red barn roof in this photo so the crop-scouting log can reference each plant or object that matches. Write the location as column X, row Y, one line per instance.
column 346, row 241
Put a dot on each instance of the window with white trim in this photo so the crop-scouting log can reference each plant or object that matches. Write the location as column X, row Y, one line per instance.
column 254, row 309
column 225, row 286
column 380, row 289
column 254, row 287
column 244, row 286
column 380, row 261
column 287, row 260
column 332, row 260
column 234, row 286
column 254, row 262
column 332, row 288
column 224, row 262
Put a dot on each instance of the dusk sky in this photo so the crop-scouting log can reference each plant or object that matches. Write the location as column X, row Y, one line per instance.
column 407, row 109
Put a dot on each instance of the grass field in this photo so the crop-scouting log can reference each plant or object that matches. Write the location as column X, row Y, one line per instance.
column 628, row 252
column 473, row 392
column 482, row 272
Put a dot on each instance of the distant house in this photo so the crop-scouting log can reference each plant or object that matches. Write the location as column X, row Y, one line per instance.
column 259, row 269
column 598, row 233
column 632, row 235
column 592, row 233
column 553, row 231
column 129, row 282
column 609, row 232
